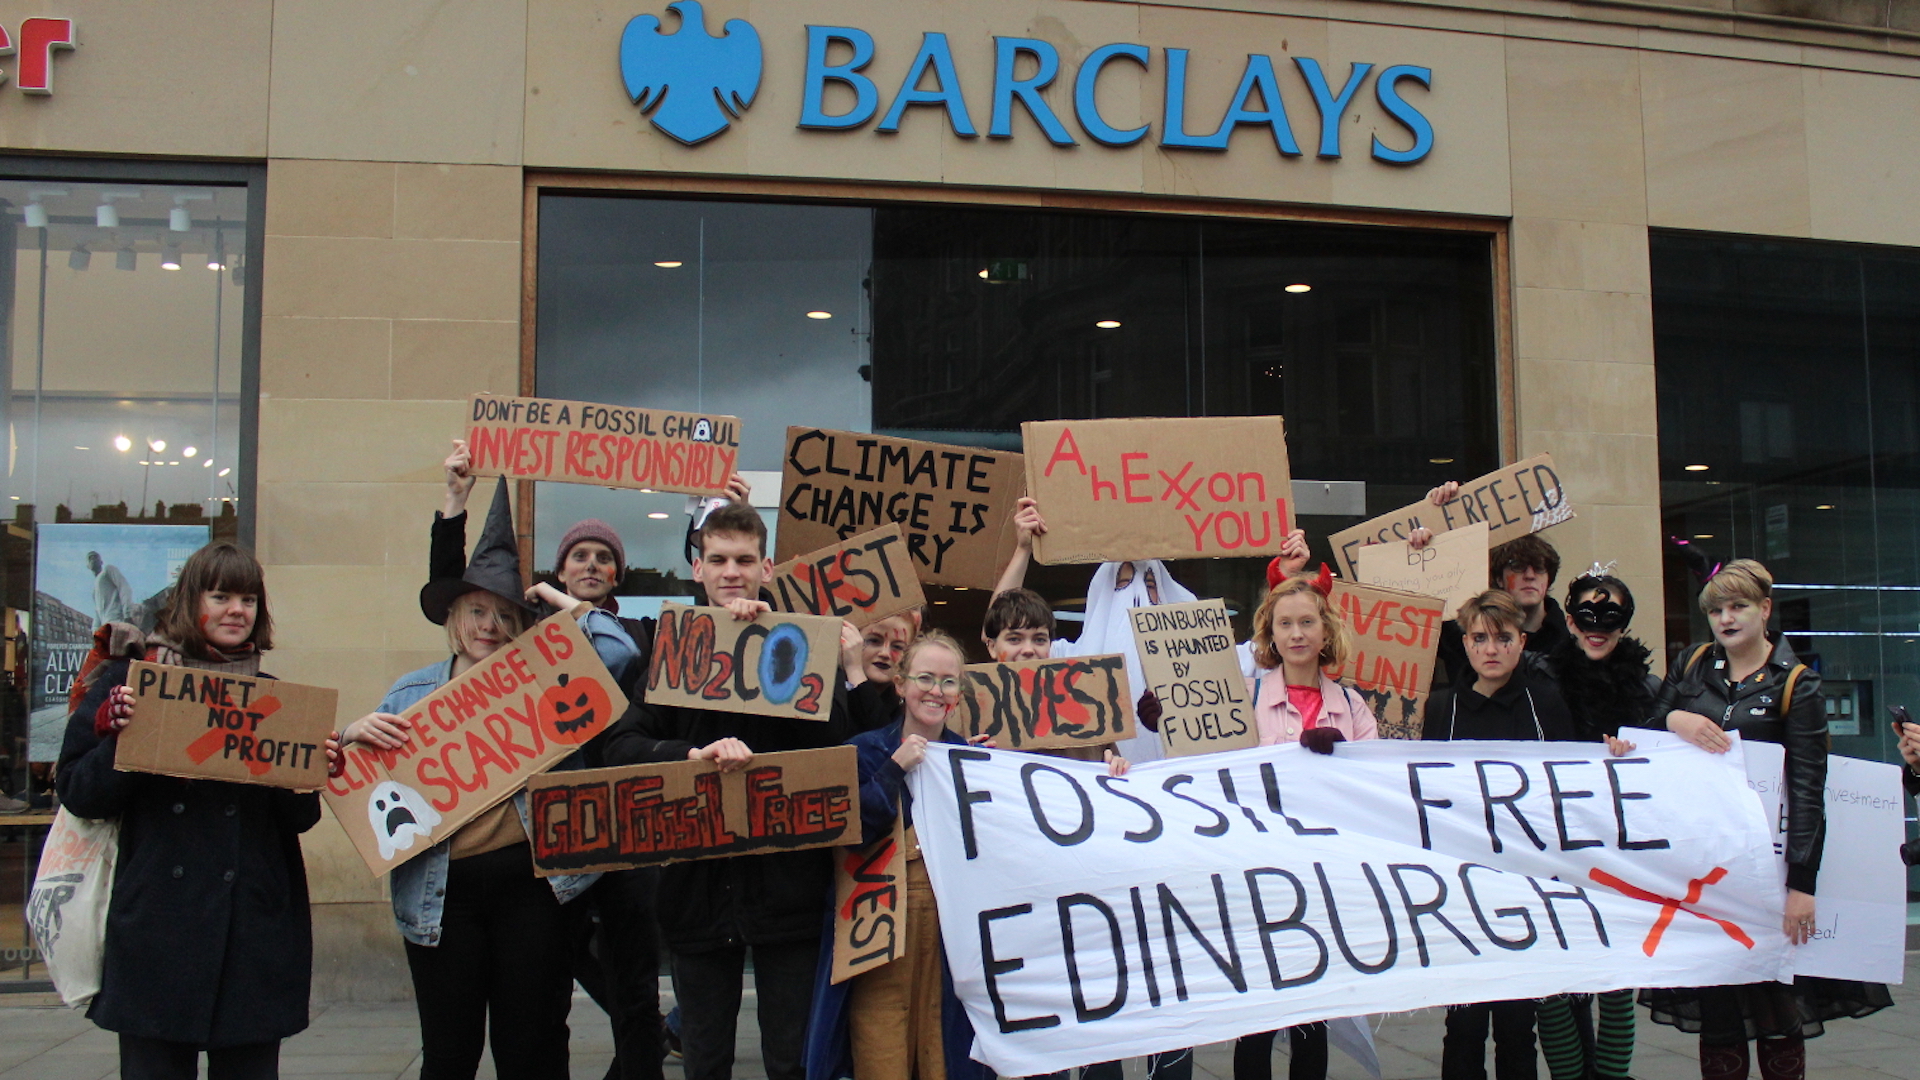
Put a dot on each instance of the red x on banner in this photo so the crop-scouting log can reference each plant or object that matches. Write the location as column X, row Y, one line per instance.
column 1669, row 906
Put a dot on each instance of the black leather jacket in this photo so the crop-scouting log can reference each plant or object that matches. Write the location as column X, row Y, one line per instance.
column 1753, row 709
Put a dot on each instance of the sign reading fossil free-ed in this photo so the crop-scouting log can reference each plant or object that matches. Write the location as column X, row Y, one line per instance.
column 579, row 442
column 1159, row 488
column 779, row 664
column 1187, row 656
column 648, row 815
column 862, row 580
column 1034, row 704
column 475, row 741
column 211, row 725
column 1521, row 498
column 1392, row 638
column 954, row 503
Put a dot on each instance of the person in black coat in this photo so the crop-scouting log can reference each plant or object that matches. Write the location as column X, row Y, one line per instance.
column 1505, row 700
column 209, row 946
column 1743, row 681
column 712, row 911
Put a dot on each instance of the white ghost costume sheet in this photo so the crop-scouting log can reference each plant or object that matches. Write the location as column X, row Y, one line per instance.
column 1108, row 629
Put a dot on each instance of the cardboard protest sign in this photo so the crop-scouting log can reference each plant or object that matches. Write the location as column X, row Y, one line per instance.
column 862, row 580
column 1522, row 498
column 954, row 503
column 579, row 442
column 1033, row 704
column 1187, row 655
column 1394, row 636
column 1159, row 488
column 475, row 741
column 870, row 904
column 777, row 665
column 209, row 725
column 676, row 811
column 1453, row 565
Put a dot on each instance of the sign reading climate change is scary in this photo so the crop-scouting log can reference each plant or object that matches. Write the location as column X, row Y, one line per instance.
column 954, row 502
column 579, row 442
column 475, row 741
column 1159, row 489
column 1088, row 917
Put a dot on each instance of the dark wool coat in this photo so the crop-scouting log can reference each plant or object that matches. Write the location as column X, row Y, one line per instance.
column 208, row 936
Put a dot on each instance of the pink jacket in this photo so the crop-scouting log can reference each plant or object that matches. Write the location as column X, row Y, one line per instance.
column 1279, row 722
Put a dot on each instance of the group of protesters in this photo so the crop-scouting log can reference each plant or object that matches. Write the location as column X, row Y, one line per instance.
column 208, row 946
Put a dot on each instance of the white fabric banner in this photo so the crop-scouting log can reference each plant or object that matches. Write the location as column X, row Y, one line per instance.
column 1088, row 918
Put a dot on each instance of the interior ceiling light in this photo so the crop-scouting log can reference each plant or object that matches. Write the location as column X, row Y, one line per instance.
column 36, row 214
column 83, row 448
column 207, row 464
column 658, row 515
column 1440, row 460
column 1299, row 287
column 170, row 256
column 158, row 446
column 179, row 219
column 223, row 472
column 1108, row 324
column 122, row 443
column 189, row 451
column 983, row 272
column 126, row 258
column 80, row 258
column 1824, row 506
column 1703, row 536
column 1697, row 468
column 819, row 314
column 669, row 264
column 106, row 215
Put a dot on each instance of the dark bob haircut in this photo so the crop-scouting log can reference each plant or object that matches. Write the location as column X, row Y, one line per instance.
column 218, row 567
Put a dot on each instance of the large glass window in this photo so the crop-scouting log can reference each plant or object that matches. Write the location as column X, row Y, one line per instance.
column 956, row 324
column 1789, row 383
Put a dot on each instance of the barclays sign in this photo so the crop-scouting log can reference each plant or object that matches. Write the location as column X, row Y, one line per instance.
column 693, row 85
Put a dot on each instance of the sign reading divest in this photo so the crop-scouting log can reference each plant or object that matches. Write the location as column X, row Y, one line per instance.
column 776, row 665
column 578, row 442
column 1522, row 498
column 1159, row 488
column 1187, row 656
column 1033, row 704
column 475, row 742
column 954, row 503
column 862, row 580
column 647, row 815
column 1394, row 637
column 1453, row 565
column 870, row 904
column 213, row 726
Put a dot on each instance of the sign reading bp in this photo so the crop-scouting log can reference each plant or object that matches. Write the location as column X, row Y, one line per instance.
column 213, row 726
column 578, row 442
column 475, row 741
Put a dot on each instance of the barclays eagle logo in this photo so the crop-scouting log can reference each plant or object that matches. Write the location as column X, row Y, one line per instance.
column 695, row 84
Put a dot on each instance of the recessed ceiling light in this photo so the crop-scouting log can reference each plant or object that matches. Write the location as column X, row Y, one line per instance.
column 189, row 451
column 936, row 602
column 669, row 264
column 1299, row 287
column 658, row 515
column 1822, row 506
column 224, row 472
column 159, row 446
column 819, row 314
column 1108, row 324
column 646, row 491
column 1703, row 536
column 1441, row 460
column 207, row 464
column 146, row 463
column 83, row 448
column 122, row 443
column 15, row 498
column 1697, row 468
column 983, row 273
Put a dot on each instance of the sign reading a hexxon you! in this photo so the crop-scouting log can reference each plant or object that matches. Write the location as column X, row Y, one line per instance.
column 693, row 84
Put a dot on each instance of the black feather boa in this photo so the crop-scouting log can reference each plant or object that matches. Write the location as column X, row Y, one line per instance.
column 1607, row 694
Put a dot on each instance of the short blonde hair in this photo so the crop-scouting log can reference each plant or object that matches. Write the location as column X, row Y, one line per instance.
column 932, row 638
column 1741, row 579
column 460, row 624
column 1333, row 652
column 1495, row 607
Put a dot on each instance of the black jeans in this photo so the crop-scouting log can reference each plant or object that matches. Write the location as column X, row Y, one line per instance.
column 1463, row 1053
column 616, row 959
column 500, row 971
column 707, row 985
column 142, row 1058
column 1307, row 1050
column 1167, row 1065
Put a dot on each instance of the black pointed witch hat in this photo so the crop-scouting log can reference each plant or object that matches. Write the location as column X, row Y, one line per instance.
column 494, row 568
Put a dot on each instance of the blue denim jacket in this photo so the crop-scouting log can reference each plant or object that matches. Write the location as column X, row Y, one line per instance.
column 419, row 885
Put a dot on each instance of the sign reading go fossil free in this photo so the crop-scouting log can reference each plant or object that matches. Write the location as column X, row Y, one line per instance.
column 579, row 442
column 475, row 741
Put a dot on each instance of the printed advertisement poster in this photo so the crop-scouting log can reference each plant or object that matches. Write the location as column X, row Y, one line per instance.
column 86, row 575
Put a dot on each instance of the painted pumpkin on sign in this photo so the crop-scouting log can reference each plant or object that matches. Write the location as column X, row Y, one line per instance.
column 573, row 709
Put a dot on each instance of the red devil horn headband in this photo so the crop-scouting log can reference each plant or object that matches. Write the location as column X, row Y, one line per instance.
column 1322, row 583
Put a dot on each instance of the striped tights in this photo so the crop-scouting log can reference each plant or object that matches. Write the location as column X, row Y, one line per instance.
column 1566, row 1047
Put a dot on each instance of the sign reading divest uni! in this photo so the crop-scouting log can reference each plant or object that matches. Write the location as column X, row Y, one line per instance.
column 1159, row 488
column 1034, row 704
column 862, row 580
column 953, row 502
column 475, row 741
column 1393, row 638
column 1186, row 654
column 214, row 726
column 870, row 904
column 579, row 442
column 1522, row 498
column 776, row 665
column 1088, row 918
column 646, row 815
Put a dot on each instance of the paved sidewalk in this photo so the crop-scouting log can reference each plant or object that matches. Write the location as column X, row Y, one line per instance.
column 42, row 1041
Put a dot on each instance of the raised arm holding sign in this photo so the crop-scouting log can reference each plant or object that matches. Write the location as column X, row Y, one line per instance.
column 1515, row 501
